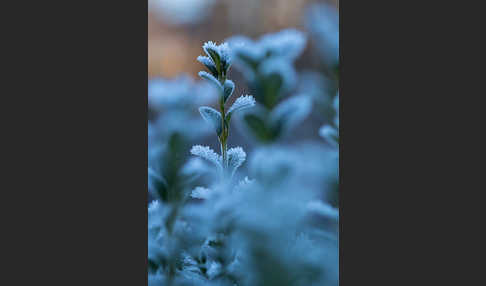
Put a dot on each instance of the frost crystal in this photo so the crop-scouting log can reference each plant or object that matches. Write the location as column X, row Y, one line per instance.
column 207, row 153
column 210, row 78
column 210, row 47
column 205, row 60
column 209, row 63
column 242, row 102
column 225, row 53
column 236, row 157
column 218, row 53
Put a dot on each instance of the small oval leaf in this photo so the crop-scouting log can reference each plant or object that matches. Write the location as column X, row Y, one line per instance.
column 209, row 64
column 208, row 154
column 212, row 50
column 229, row 87
column 242, row 102
column 209, row 77
column 289, row 113
column 236, row 157
column 212, row 116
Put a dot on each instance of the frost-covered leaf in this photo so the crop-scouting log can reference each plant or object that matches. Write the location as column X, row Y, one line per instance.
column 212, row 50
column 209, row 64
column 236, row 157
column 220, row 55
column 212, row 116
column 229, row 87
column 241, row 103
column 210, row 78
column 225, row 54
column 181, row 93
column 245, row 51
column 207, row 153
column 283, row 70
column 290, row 113
column 287, row 43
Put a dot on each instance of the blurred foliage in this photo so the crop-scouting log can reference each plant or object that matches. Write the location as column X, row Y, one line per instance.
column 222, row 19
column 276, row 222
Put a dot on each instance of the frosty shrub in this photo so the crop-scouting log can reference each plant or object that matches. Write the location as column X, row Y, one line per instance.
column 279, row 225
column 267, row 65
column 170, row 132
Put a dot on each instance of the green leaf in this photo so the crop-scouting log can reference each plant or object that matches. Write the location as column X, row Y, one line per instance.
column 212, row 51
column 157, row 185
column 272, row 88
column 257, row 126
column 209, row 64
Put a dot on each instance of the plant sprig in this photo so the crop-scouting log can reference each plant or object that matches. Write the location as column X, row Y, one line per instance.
column 218, row 63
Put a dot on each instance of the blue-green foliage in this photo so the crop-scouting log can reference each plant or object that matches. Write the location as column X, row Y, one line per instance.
column 173, row 126
column 279, row 226
column 268, row 66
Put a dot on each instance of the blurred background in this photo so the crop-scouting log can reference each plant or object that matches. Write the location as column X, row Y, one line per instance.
column 178, row 28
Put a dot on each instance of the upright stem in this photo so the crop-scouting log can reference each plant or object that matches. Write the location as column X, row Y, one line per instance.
column 224, row 148
column 223, row 138
column 224, row 133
